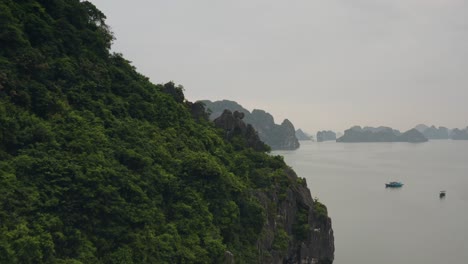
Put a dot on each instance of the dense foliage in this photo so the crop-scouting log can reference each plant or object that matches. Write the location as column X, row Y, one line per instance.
column 98, row 165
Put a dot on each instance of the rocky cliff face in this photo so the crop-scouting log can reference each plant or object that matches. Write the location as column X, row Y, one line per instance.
column 217, row 108
column 442, row 132
column 278, row 137
column 233, row 124
column 303, row 220
column 301, row 135
column 412, row 136
column 297, row 228
column 287, row 139
column 432, row 132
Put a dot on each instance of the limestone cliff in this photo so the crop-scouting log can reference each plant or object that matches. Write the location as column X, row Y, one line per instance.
column 381, row 134
column 278, row 137
column 233, row 125
column 297, row 228
column 432, row 132
column 301, row 135
column 304, row 220
column 287, row 136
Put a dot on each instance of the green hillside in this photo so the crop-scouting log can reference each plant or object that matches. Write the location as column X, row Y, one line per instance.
column 98, row 165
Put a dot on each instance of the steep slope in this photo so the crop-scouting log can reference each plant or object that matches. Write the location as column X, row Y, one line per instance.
column 98, row 165
column 301, row 135
column 278, row 137
column 298, row 230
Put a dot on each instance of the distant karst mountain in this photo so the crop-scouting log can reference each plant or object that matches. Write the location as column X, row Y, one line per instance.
column 381, row 134
column 442, row 132
column 326, row 136
column 301, row 135
column 459, row 134
column 432, row 132
column 278, row 137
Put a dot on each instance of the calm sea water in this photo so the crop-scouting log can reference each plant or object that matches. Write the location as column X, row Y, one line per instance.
column 375, row 225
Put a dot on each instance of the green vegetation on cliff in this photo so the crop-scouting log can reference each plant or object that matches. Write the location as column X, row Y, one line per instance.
column 98, row 165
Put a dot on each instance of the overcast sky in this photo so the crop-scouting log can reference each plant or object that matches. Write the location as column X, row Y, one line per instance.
column 323, row 64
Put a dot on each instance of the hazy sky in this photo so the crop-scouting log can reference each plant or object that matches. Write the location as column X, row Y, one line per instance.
column 323, row 64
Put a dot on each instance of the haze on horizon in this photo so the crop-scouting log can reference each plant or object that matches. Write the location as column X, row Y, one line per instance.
column 323, row 64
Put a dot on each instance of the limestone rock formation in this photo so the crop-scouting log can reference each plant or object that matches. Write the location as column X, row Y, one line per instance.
column 304, row 220
column 286, row 138
column 326, row 136
column 381, row 134
column 233, row 124
column 301, row 135
column 278, row 137
column 297, row 229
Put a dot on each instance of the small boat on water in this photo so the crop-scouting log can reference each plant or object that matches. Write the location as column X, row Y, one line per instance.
column 393, row 184
column 442, row 194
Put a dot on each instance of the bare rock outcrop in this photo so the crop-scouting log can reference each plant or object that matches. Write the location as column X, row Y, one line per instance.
column 297, row 229
column 233, row 125
column 277, row 136
column 304, row 221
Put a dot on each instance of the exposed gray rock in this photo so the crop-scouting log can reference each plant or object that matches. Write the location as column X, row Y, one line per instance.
column 311, row 240
column 301, row 135
column 233, row 125
column 287, row 136
column 297, row 228
column 276, row 136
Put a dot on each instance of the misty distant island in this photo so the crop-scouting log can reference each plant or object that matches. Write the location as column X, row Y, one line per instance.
column 301, row 135
column 381, row 134
column 442, row 132
column 459, row 134
column 326, row 135
column 278, row 137
column 432, row 132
